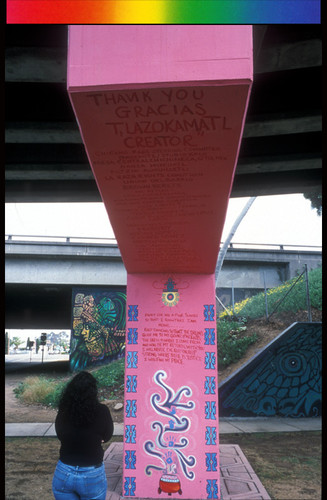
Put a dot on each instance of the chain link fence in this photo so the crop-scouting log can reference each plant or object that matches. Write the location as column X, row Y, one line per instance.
column 291, row 295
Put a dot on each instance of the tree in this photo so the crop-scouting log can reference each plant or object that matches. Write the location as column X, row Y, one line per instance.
column 6, row 343
column 63, row 345
column 316, row 200
column 16, row 341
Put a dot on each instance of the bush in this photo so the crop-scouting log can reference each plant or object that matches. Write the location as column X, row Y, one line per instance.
column 286, row 296
column 232, row 343
column 52, row 398
column 110, row 375
column 315, row 288
column 35, row 389
column 48, row 391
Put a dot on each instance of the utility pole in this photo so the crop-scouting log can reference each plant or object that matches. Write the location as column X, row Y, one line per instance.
column 43, row 342
column 308, row 294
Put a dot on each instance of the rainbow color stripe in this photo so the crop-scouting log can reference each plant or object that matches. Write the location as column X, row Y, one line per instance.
column 163, row 11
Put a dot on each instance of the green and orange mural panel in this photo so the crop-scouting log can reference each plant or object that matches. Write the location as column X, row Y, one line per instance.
column 98, row 326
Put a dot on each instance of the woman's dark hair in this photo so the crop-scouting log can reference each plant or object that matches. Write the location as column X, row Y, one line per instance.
column 79, row 399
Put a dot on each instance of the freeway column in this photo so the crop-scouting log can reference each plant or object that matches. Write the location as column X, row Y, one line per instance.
column 161, row 110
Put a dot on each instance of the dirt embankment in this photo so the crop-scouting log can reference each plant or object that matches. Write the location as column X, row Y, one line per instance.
column 18, row 412
column 266, row 332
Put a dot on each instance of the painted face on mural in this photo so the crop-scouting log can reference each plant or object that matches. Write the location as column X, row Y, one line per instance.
column 98, row 318
column 94, row 342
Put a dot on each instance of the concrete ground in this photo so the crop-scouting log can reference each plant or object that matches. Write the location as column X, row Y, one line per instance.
column 229, row 425
column 238, row 480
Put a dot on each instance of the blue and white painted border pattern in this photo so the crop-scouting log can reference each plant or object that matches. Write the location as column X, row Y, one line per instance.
column 211, row 455
column 131, row 402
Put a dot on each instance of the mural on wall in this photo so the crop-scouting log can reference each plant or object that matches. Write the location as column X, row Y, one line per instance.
column 170, row 295
column 170, row 290
column 171, row 440
column 171, row 443
column 284, row 379
column 98, row 326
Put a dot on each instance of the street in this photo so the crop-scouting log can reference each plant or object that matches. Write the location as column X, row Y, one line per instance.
column 23, row 360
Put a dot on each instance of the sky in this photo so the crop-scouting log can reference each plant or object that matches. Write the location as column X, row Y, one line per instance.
column 281, row 220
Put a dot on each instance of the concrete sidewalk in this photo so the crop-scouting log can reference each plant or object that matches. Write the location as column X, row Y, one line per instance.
column 232, row 425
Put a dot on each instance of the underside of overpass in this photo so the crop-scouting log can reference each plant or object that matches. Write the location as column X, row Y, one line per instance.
column 38, row 306
column 281, row 146
column 46, row 160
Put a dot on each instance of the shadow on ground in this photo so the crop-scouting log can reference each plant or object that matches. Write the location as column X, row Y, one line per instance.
column 49, row 367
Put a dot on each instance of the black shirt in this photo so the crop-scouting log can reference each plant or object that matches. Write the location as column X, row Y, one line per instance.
column 81, row 445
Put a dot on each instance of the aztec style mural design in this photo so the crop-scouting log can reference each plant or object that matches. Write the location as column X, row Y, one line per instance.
column 170, row 295
column 169, row 445
column 284, row 379
column 165, row 411
column 98, row 326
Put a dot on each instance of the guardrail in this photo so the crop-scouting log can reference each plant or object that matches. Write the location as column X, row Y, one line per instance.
column 272, row 246
column 58, row 239
column 9, row 238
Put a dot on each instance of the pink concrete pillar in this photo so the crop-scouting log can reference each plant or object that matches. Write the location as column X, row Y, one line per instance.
column 161, row 110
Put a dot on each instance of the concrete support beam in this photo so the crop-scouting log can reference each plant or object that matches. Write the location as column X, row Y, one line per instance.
column 286, row 164
column 64, row 133
column 48, row 172
column 282, row 125
column 286, row 56
column 42, row 133
column 79, row 190
column 82, row 271
column 269, row 183
column 67, row 171
column 34, row 64
column 82, row 172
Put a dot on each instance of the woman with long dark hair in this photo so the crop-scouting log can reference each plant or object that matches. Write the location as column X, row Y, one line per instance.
column 82, row 425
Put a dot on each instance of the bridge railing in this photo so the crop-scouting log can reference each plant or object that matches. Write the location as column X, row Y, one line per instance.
column 15, row 238
column 10, row 238
column 273, row 246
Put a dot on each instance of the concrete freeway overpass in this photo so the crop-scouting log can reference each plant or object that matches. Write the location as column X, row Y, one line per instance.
column 281, row 146
column 40, row 274
column 46, row 160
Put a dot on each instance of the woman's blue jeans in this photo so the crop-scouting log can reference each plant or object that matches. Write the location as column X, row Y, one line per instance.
column 79, row 483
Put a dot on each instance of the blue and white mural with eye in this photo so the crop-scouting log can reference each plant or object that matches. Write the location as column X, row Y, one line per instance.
column 283, row 379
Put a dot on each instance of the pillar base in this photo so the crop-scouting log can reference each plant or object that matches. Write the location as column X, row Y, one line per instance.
column 237, row 478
